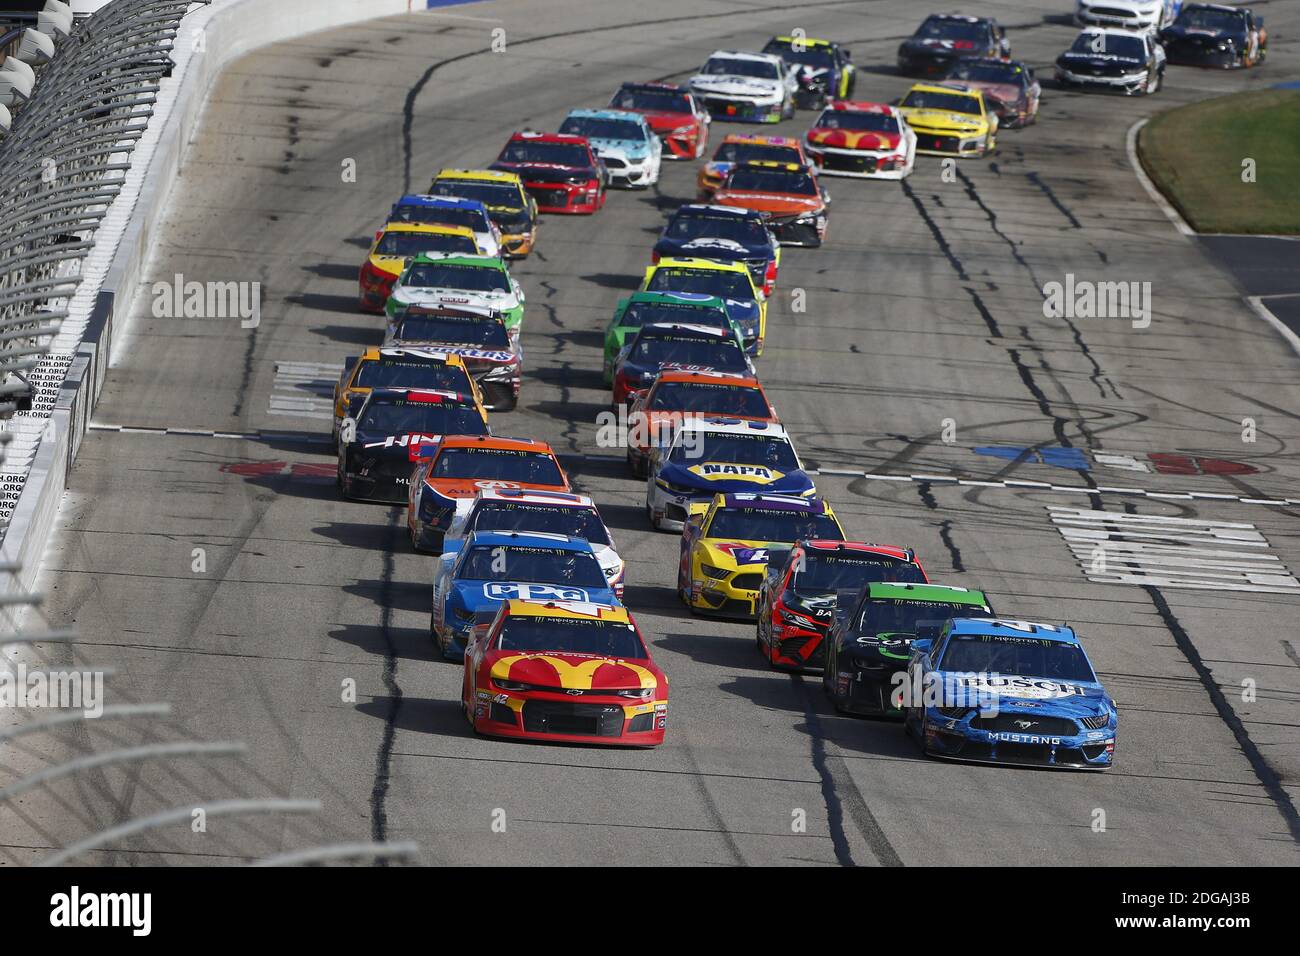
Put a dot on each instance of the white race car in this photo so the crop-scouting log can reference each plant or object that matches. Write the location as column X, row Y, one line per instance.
column 1134, row 14
column 756, row 87
column 864, row 140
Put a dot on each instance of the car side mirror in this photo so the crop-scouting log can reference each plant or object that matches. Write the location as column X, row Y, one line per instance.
column 348, row 430
column 922, row 646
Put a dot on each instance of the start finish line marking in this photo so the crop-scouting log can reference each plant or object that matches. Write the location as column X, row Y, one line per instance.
column 1172, row 552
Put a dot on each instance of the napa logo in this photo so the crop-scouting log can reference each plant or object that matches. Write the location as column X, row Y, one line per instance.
column 717, row 470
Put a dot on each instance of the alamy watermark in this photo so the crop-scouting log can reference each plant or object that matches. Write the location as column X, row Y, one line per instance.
column 21, row 688
column 208, row 300
column 1084, row 299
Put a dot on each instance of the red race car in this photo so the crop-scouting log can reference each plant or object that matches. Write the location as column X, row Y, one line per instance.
column 560, row 171
column 797, row 599
column 672, row 112
column 564, row 671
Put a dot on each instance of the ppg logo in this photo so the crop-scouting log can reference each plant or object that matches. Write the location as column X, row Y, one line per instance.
column 504, row 591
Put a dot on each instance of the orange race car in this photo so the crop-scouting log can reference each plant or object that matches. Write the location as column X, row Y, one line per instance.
column 458, row 466
column 744, row 148
column 789, row 194
column 676, row 394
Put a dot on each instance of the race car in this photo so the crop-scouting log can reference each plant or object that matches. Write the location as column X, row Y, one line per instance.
column 397, row 368
column 870, row 643
column 863, row 140
column 743, row 148
column 477, row 338
column 1011, row 692
column 676, row 394
column 795, row 204
column 674, row 114
column 797, row 600
column 654, row 308
column 824, row 69
column 943, row 38
column 704, row 457
column 488, row 567
column 625, row 143
column 751, row 87
column 675, row 345
column 1010, row 88
column 1113, row 60
column 450, row 211
column 460, row 467
column 397, row 242
column 1127, row 14
column 552, row 512
column 511, row 209
column 727, row 233
column 731, row 282
column 564, row 671
column 1208, row 34
column 727, row 544
column 561, row 173
column 950, row 120
column 377, row 448
column 458, row 282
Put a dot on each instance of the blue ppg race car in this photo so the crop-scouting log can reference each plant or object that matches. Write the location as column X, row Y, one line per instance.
column 476, row 574
column 1009, row 692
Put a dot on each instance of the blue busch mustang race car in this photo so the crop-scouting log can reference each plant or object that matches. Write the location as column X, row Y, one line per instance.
column 475, row 574
column 1010, row 692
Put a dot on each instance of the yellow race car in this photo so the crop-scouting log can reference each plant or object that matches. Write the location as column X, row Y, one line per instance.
column 727, row 543
column 950, row 119
column 400, row 368
column 509, row 205
column 397, row 242
column 729, row 281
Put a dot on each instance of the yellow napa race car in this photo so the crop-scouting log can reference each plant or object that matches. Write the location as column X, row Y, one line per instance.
column 727, row 543
column 400, row 368
column 394, row 244
column 729, row 281
column 950, row 119
column 509, row 206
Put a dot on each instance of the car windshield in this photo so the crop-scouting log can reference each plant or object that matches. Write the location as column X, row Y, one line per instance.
column 646, row 313
column 446, row 275
column 760, row 152
column 489, row 193
column 414, row 243
column 818, row 56
column 722, row 283
column 1109, row 44
column 749, row 232
column 680, row 351
column 935, row 28
column 427, row 418
column 453, row 330
column 475, row 219
column 557, row 154
column 570, row 635
column 578, row 521
column 949, row 102
column 660, row 101
column 824, row 573
column 411, row 373
column 771, row 524
column 730, row 66
column 1016, row 657
column 858, row 120
column 498, row 464
column 593, row 128
column 906, row 616
column 709, row 398
column 988, row 71
column 739, row 448
column 771, row 181
column 1207, row 19
column 532, row 565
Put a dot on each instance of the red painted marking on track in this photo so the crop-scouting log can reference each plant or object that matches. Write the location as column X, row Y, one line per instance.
column 1168, row 463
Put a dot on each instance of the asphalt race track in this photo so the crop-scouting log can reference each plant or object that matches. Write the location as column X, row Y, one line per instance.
column 924, row 305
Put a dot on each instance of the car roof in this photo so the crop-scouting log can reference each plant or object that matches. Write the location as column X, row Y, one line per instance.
column 806, row 41
column 952, row 87
column 718, row 209
column 761, row 139
column 433, row 356
column 769, row 164
column 862, row 106
column 535, row 136
column 462, row 259
column 423, row 199
column 578, row 610
column 527, row 496
column 414, row 310
column 664, row 87
column 528, row 539
column 696, row 299
column 812, row 506
column 1002, row 627
column 1112, row 32
column 722, row 424
column 746, row 55
column 697, row 262
column 496, row 441
column 687, row 330
column 427, row 228
column 926, row 592
column 434, row 396
column 823, row 544
column 607, row 114
column 709, row 377
column 484, row 175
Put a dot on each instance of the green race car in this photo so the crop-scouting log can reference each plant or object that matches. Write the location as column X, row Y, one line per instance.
column 458, row 281
column 647, row 308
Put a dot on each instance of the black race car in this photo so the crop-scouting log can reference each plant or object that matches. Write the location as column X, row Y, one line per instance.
column 1112, row 59
column 702, row 231
column 824, row 69
column 377, row 448
column 945, row 38
column 1208, row 34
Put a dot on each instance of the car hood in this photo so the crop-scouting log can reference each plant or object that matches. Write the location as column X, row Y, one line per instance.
column 710, row 247
column 939, row 47
column 589, row 672
column 476, row 595
column 729, row 85
column 629, row 148
column 425, row 295
column 1043, row 695
column 853, row 139
column 1002, row 92
column 740, row 553
column 723, row 476
column 940, row 119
